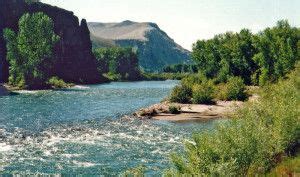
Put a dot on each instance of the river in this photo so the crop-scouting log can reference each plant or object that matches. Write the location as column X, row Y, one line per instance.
column 88, row 130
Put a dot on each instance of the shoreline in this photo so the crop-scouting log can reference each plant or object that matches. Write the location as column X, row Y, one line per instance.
column 191, row 112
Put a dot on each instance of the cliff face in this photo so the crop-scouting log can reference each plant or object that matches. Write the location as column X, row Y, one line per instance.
column 156, row 49
column 73, row 53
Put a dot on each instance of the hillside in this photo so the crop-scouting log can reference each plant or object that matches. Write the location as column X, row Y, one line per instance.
column 156, row 49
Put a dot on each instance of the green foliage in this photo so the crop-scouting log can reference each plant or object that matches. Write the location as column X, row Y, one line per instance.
column 191, row 80
column 135, row 172
column 277, row 51
column 234, row 89
column 164, row 76
column 29, row 52
column 200, row 90
column 203, row 93
column 181, row 94
column 174, row 109
column 180, row 68
column 57, row 83
column 119, row 63
column 252, row 141
column 289, row 167
column 258, row 59
column 113, row 76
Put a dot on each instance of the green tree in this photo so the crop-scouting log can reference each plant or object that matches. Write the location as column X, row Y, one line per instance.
column 118, row 61
column 260, row 58
column 30, row 51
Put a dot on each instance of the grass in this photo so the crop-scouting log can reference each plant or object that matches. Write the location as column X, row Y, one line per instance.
column 288, row 167
column 254, row 141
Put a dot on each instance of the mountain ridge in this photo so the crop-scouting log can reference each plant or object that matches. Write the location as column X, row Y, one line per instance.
column 156, row 49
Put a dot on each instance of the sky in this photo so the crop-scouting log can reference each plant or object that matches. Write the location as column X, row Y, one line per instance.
column 187, row 21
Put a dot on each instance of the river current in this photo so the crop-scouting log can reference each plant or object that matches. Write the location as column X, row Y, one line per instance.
column 89, row 130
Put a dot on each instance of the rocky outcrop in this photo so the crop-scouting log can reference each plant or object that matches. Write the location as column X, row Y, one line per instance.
column 156, row 49
column 3, row 91
column 73, row 53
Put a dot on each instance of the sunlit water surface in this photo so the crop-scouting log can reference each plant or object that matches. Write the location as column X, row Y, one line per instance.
column 88, row 130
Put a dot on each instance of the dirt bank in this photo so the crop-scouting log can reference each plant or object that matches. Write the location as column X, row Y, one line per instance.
column 190, row 112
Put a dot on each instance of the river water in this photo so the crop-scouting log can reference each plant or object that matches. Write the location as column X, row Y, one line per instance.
column 88, row 130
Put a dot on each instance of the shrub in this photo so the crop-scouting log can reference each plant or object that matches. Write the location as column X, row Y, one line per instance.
column 193, row 79
column 55, row 82
column 250, row 143
column 289, row 167
column 113, row 77
column 138, row 171
column 174, row 109
column 234, row 89
column 181, row 94
column 203, row 93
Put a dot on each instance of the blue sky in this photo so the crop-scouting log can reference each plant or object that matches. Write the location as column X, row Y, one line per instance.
column 186, row 21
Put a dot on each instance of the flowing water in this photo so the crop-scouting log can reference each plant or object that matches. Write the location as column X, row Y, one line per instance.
column 88, row 130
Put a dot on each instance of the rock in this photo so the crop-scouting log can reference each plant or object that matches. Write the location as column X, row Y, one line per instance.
column 75, row 61
column 156, row 49
column 3, row 91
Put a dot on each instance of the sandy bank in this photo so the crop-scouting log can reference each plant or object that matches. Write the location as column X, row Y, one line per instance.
column 189, row 112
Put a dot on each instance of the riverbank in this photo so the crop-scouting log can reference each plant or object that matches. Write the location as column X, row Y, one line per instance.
column 191, row 112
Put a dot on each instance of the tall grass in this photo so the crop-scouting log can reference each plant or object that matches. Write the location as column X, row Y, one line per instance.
column 253, row 141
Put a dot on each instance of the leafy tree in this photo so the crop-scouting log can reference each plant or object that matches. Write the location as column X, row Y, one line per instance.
column 277, row 51
column 180, row 68
column 118, row 61
column 30, row 50
column 259, row 58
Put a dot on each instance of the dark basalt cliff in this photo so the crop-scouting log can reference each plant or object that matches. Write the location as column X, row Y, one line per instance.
column 73, row 53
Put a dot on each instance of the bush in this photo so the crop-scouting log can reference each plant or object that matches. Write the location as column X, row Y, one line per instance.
column 174, row 109
column 234, row 89
column 289, row 167
column 193, row 79
column 203, row 93
column 55, row 82
column 164, row 76
column 113, row 77
column 253, row 141
column 138, row 171
column 181, row 94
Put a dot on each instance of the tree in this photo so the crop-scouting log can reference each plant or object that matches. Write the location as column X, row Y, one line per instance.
column 260, row 58
column 30, row 51
column 118, row 61
column 277, row 51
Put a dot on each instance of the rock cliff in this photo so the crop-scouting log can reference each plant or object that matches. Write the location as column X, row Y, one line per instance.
column 156, row 49
column 73, row 53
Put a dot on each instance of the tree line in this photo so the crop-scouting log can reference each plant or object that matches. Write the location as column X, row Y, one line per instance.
column 181, row 68
column 118, row 63
column 257, row 58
